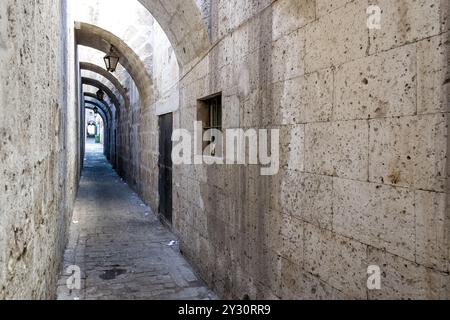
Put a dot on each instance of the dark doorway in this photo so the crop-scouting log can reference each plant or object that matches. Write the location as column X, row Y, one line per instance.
column 165, row 166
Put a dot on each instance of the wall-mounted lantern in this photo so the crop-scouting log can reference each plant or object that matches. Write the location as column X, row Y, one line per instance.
column 100, row 95
column 111, row 60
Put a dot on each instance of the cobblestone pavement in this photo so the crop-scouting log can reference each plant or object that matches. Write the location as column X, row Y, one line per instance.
column 120, row 246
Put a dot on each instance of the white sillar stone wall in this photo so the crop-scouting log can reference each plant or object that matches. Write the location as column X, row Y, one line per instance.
column 364, row 178
column 38, row 174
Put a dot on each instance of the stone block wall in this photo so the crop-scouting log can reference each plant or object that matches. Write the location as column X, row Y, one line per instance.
column 38, row 146
column 363, row 116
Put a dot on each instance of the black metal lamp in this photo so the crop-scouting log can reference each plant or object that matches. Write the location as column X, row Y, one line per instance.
column 111, row 60
column 100, row 95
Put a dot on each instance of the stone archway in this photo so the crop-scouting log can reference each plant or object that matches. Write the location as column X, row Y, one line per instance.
column 94, row 37
column 101, row 104
column 90, row 105
column 110, row 77
column 101, row 107
column 182, row 22
column 104, row 88
column 107, row 131
column 111, row 143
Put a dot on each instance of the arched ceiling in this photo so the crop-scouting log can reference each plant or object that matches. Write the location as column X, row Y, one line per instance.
column 110, row 77
column 100, row 104
column 91, row 105
column 104, row 88
column 92, row 36
column 182, row 22
column 93, row 97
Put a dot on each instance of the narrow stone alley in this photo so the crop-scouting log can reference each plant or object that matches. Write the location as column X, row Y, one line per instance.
column 120, row 246
column 224, row 149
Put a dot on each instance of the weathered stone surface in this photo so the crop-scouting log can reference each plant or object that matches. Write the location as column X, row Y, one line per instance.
column 313, row 105
column 297, row 284
column 432, row 78
column 336, row 38
column 376, row 215
column 364, row 146
column 378, row 86
column 38, row 173
column 292, row 239
column 337, row 149
column 308, row 197
column 326, row 6
column 403, row 279
column 288, row 56
column 432, row 218
column 183, row 25
column 231, row 113
column 338, row 261
column 409, row 151
column 291, row 15
column 444, row 15
column 403, row 23
column 293, row 147
column 310, row 68
column 272, row 230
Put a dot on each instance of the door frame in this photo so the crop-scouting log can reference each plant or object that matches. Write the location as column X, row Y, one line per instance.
column 165, row 169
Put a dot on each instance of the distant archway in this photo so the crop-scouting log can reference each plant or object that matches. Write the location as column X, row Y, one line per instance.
column 102, row 104
column 106, row 112
column 97, row 84
column 94, row 37
column 110, row 77
column 91, row 106
column 107, row 130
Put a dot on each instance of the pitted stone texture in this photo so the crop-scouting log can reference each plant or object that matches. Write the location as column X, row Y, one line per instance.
column 378, row 86
column 432, row 218
column 292, row 147
column 445, row 15
column 290, row 15
column 405, row 22
column 410, row 151
column 433, row 74
column 307, row 197
column 378, row 215
column 326, row 6
column 314, row 104
column 402, row 279
column 337, row 37
column 292, row 234
column 298, row 284
column 338, row 261
column 288, row 56
column 123, row 250
column 311, row 75
column 338, row 149
column 311, row 79
column 38, row 173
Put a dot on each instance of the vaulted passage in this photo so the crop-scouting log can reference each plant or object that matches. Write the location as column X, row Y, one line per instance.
column 232, row 149
column 120, row 245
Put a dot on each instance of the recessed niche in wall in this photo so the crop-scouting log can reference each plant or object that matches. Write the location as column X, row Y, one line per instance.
column 209, row 112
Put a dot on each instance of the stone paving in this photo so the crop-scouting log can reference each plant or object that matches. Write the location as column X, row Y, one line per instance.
column 121, row 248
